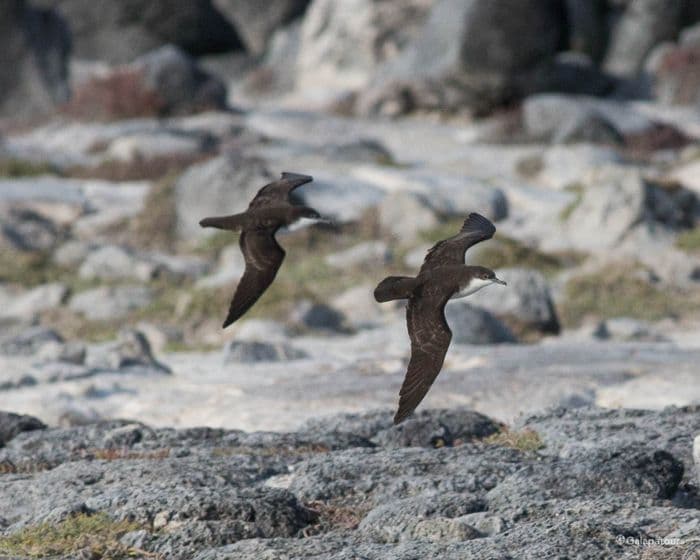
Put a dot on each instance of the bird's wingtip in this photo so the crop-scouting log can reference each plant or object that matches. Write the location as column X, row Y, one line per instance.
column 301, row 178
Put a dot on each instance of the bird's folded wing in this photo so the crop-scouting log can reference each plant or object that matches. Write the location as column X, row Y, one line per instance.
column 278, row 192
column 450, row 251
column 430, row 338
column 263, row 257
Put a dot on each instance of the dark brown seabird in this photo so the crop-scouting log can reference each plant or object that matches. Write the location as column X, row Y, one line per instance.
column 270, row 210
column 442, row 277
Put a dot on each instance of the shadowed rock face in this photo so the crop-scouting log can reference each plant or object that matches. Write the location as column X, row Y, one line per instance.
column 353, row 485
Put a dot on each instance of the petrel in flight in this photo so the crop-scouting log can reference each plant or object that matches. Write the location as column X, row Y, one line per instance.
column 442, row 277
column 270, row 210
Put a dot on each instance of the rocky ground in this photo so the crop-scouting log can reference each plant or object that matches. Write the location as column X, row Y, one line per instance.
column 584, row 483
column 574, row 126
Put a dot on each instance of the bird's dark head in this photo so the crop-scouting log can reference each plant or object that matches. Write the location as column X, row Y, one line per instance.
column 487, row 276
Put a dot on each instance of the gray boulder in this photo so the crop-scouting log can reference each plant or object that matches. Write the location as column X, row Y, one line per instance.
column 33, row 60
column 26, row 230
column 317, row 316
column 525, row 303
column 112, row 262
column 181, row 85
column 644, row 24
column 472, row 325
column 117, row 32
column 28, row 342
column 488, row 49
column 131, row 349
column 617, row 204
column 627, row 329
column 107, row 303
column 33, row 302
column 254, row 23
column 406, row 214
column 247, row 351
column 673, row 68
column 223, row 185
column 13, row 424
column 563, row 118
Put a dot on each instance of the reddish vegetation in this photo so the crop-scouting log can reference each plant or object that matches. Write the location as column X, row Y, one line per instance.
column 120, row 95
column 658, row 137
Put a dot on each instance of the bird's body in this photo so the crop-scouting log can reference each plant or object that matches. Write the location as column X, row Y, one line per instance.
column 270, row 210
column 442, row 277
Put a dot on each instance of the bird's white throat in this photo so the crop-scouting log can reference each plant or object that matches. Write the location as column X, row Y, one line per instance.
column 474, row 286
column 303, row 222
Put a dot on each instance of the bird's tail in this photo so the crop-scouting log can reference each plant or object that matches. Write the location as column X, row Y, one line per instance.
column 232, row 223
column 395, row 287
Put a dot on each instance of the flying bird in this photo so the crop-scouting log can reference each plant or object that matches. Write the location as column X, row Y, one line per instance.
column 270, row 210
column 443, row 276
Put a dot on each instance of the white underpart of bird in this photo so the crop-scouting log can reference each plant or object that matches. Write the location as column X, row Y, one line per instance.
column 474, row 286
column 302, row 223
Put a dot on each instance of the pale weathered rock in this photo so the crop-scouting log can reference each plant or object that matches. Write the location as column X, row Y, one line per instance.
column 113, row 262
column 35, row 301
column 255, row 24
column 130, row 349
column 229, row 269
column 526, row 300
column 644, row 24
column 616, row 203
column 369, row 253
column 406, row 214
column 221, row 186
column 628, row 329
column 110, row 302
column 371, row 30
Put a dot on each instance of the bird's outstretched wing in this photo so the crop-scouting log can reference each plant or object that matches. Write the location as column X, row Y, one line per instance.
column 476, row 228
column 430, row 338
column 278, row 192
column 263, row 257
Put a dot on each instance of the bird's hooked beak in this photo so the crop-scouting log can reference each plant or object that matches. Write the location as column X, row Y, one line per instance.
column 499, row 281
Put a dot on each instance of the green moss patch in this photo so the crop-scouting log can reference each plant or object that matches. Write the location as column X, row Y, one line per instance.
column 16, row 168
column 96, row 534
column 578, row 190
column 524, row 440
column 622, row 292
column 689, row 241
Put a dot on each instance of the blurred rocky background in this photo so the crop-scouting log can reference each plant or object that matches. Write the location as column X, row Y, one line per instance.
column 573, row 124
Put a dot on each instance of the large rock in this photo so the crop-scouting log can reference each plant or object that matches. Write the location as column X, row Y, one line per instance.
column 675, row 69
column 13, row 424
column 525, row 302
column 344, row 42
column 108, row 303
column 617, row 204
column 366, row 254
column 131, row 349
column 28, row 342
column 221, row 186
column 31, row 303
column 34, row 53
column 117, row 32
column 644, row 24
column 447, row 194
column 492, row 51
column 112, row 262
column 471, row 325
column 256, row 23
column 166, row 81
column 406, row 214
